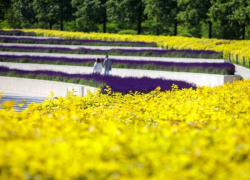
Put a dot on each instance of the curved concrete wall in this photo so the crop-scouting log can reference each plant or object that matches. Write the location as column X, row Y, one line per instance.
column 197, row 78
column 41, row 87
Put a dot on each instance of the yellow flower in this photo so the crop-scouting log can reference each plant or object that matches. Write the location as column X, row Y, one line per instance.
column 8, row 104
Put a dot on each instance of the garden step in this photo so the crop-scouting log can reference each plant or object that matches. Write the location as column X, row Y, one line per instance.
column 80, row 46
column 199, row 79
column 134, row 58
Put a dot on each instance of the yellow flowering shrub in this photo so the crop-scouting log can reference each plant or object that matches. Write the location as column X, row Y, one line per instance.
column 191, row 134
column 235, row 47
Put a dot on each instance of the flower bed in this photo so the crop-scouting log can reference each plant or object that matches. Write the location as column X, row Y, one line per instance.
column 210, row 68
column 17, row 33
column 238, row 49
column 179, row 134
column 31, row 40
column 117, row 84
column 125, row 52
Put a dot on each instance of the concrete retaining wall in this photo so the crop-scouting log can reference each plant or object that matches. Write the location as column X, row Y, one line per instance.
column 41, row 87
column 197, row 78
column 80, row 46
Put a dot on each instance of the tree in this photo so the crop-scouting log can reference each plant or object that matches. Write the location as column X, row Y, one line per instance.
column 23, row 11
column 89, row 13
column 46, row 11
column 104, row 15
column 52, row 11
column 195, row 11
column 4, row 6
column 65, row 11
column 127, row 11
column 162, row 12
column 232, row 15
column 241, row 14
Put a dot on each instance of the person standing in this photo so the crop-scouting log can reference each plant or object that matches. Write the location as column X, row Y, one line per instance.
column 97, row 66
column 107, row 65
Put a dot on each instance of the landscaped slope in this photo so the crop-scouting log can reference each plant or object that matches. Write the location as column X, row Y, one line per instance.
column 179, row 134
column 237, row 48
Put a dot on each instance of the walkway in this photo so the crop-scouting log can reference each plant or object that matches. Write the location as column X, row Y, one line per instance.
column 242, row 71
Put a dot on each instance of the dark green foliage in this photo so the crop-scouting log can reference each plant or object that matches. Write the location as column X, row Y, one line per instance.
column 227, row 19
column 4, row 5
column 90, row 13
column 161, row 12
column 195, row 12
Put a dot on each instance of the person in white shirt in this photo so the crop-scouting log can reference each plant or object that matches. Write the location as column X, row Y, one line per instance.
column 97, row 66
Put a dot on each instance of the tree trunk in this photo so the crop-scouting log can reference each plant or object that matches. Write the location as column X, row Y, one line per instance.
column 11, row 14
column 104, row 16
column 243, row 31
column 175, row 28
column 50, row 25
column 139, row 18
column 210, row 29
column 104, row 20
column 61, row 23
column 61, row 17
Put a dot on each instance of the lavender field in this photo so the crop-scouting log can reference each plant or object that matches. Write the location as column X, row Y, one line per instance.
column 122, row 52
column 211, row 68
column 117, row 84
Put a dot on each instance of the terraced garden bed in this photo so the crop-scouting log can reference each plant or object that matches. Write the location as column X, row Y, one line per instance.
column 117, row 84
column 145, row 52
column 209, row 68
column 31, row 40
column 17, row 33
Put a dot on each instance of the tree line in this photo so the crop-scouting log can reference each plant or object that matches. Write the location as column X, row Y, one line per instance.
column 228, row 19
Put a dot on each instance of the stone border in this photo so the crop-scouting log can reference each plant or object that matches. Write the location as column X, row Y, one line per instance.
column 198, row 79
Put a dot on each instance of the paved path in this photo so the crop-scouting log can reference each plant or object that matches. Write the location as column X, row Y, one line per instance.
column 80, row 46
column 18, row 97
column 242, row 71
column 134, row 58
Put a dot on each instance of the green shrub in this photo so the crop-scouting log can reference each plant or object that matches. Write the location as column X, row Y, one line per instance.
column 128, row 31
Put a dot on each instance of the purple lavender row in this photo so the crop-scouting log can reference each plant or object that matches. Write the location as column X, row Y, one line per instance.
column 227, row 66
column 83, row 41
column 98, row 51
column 117, row 84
